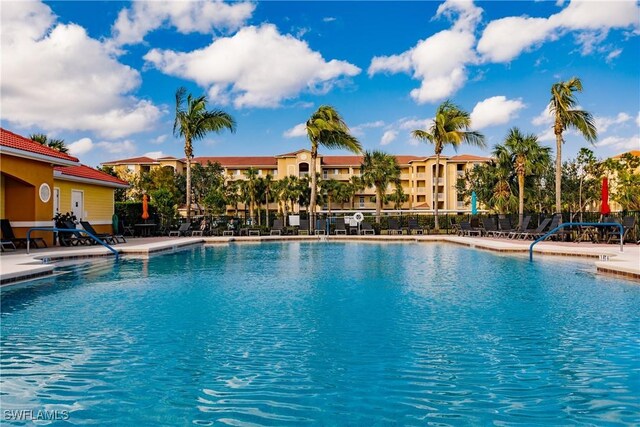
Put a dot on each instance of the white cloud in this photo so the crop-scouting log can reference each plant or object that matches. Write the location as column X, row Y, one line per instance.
column 439, row 62
column 388, row 137
column 256, row 67
column 123, row 147
column 55, row 77
column 407, row 123
column 296, row 131
column 613, row 55
column 155, row 154
column 328, row 19
column 544, row 118
column 638, row 119
column 603, row 123
column 186, row 16
column 504, row 39
column 493, row 111
column 160, row 139
column 621, row 143
column 359, row 129
column 81, row 146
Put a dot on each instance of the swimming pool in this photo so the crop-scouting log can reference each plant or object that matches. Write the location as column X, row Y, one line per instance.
column 324, row 333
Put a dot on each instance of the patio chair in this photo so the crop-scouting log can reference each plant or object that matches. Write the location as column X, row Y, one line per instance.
column 341, row 227
column 467, row 230
column 204, row 226
column 73, row 237
column 538, row 232
column 8, row 235
column 303, row 229
column 525, row 224
column 124, row 229
column 394, row 226
column 413, row 226
column 182, row 230
column 8, row 243
column 278, row 227
column 321, row 227
column 366, row 228
column 108, row 238
column 628, row 225
column 505, row 227
column 489, row 228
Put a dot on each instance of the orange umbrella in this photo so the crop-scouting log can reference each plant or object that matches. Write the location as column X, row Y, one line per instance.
column 145, row 207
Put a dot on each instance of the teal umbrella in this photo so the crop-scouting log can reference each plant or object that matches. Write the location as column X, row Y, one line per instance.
column 115, row 223
column 474, row 203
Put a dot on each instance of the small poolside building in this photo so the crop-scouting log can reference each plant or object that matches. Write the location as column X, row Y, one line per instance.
column 36, row 182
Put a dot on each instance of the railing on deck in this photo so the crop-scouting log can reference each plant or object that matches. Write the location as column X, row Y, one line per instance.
column 579, row 224
column 70, row 230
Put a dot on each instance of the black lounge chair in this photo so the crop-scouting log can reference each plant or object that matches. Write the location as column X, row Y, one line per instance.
column 182, row 230
column 341, row 227
column 413, row 226
column 8, row 235
column 73, row 237
column 489, row 228
column 321, row 227
column 525, row 224
column 467, row 230
column 8, row 243
column 304, row 227
column 628, row 225
column 505, row 227
column 394, row 226
column 278, row 227
column 538, row 232
column 108, row 238
column 366, row 228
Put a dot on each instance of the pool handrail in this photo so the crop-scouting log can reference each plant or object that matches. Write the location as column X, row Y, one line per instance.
column 72, row 230
column 573, row 224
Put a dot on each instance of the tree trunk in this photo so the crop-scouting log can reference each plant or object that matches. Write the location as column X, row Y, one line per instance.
column 329, row 204
column 266, row 199
column 314, row 183
column 520, row 200
column 435, row 193
column 188, row 188
column 558, row 172
column 378, row 204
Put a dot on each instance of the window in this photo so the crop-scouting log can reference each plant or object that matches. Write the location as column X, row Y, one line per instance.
column 325, row 174
column 362, row 201
column 336, row 171
column 238, row 172
column 131, row 168
column 275, row 172
column 259, row 172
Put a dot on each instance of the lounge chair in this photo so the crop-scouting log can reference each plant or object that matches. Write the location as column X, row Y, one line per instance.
column 413, row 226
column 108, row 238
column 8, row 235
column 203, row 228
column 182, row 230
column 538, row 232
column 394, row 226
column 467, row 230
column 628, row 225
column 525, row 224
column 489, row 228
column 278, row 227
column 505, row 227
column 366, row 228
column 321, row 226
column 341, row 227
column 8, row 243
column 304, row 227
column 73, row 237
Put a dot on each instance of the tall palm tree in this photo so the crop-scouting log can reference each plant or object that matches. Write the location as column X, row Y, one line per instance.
column 526, row 156
column 267, row 185
column 398, row 196
column 356, row 185
column 450, row 127
column 563, row 108
column 231, row 194
column 56, row 144
column 193, row 122
column 379, row 169
column 330, row 188
column 327, row 128
column 251, row 188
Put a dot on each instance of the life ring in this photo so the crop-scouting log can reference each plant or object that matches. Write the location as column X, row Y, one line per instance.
column 358, row 217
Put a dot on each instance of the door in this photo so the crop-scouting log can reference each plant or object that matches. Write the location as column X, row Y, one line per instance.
column 56, row 201
column 77, row 204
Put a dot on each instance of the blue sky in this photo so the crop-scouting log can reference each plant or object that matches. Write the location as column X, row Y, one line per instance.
column 102, row 75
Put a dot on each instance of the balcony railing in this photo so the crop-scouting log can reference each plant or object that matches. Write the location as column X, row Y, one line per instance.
column 405, row 176
column 440, row 181
column 421, row 175
column 461, row 204
column 421, row 190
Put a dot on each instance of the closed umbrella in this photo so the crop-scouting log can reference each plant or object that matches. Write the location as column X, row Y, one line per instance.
column 474, row 203
column 115, row 223
column 145, row 207
column 604, row 206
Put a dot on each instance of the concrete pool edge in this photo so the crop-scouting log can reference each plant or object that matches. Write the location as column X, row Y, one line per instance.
column 20, row 267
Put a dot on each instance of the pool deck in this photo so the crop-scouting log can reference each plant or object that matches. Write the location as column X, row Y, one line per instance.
column 17, row 266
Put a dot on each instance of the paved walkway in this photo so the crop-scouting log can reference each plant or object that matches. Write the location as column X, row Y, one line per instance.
column 18, row 266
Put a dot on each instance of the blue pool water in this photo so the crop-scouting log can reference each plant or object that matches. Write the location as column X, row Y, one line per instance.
column 325, row 334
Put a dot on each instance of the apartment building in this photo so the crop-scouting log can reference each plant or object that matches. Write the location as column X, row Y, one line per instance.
column 417, row 176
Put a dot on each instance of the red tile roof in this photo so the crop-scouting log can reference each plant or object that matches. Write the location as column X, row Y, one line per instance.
column 468, row 158
column 635, row 153
column 357, row 160
column 293, row 154
column 133, row 160
column 12, row 140
column 86, row 172
column 239, row 161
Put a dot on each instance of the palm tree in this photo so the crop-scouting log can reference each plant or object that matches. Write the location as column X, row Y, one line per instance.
column 193, row 122
column 398, row 196
column 55, row 144
column 231, row 194
column 379, row 169
column 330, row 189
column 450, row 127
column 327, row 128
column 526, row 156
column 563, row 108
column 251, row 189
column 267, row 185
column 355, row 185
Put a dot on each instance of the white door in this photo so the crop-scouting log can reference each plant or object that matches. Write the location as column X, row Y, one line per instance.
column 56, row 201
column 77, row 204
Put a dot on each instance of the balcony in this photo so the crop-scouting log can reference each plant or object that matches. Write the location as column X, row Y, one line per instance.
column 460, row 174
column 460, row 205
column 405, row 176
column 421, row 190
column 440, row 181
column 421, row 175
column 338, row 176
column 303, row 174
column 441, row 197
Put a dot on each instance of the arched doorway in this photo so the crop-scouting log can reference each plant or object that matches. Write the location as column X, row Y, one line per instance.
column 303, row 169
